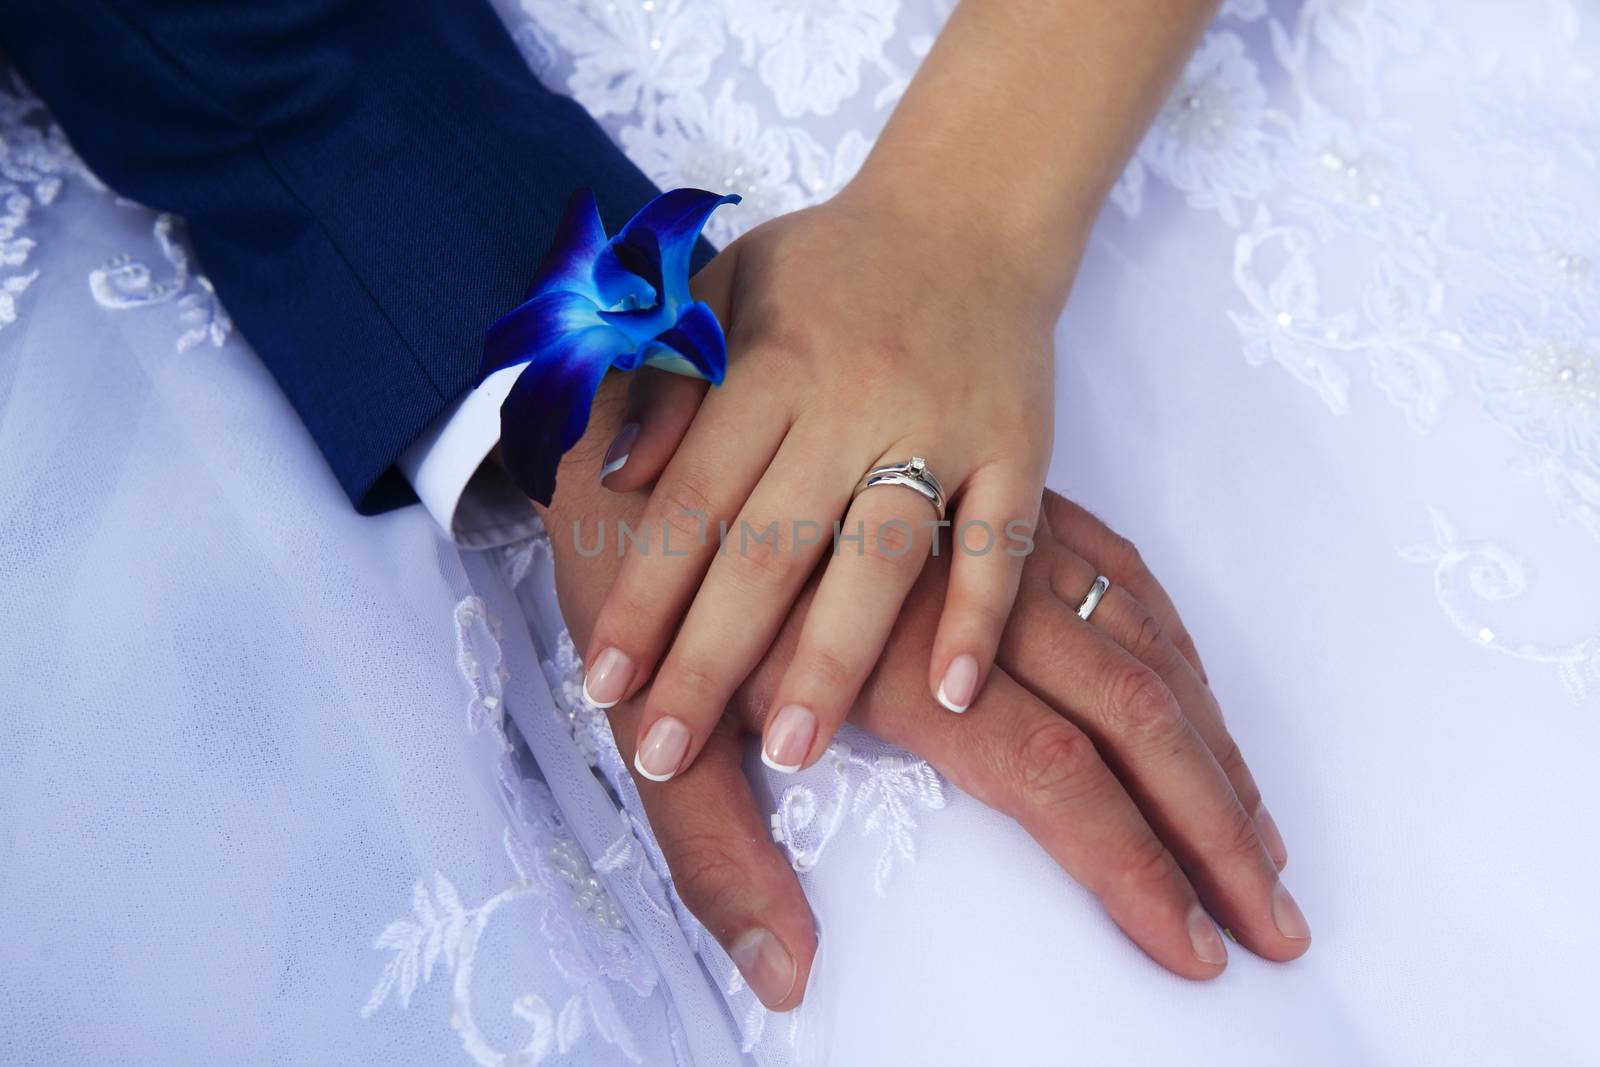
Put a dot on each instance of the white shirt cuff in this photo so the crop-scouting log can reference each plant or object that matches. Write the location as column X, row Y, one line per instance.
column 474, row 501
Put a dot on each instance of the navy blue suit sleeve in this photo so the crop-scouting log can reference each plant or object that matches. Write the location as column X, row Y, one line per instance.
column 368, row 183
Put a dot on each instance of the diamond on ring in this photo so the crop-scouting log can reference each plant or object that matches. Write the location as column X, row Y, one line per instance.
column 913, row 474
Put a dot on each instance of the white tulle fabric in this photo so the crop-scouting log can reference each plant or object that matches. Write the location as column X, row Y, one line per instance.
column 282, row 784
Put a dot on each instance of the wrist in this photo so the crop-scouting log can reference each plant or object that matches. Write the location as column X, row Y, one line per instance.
column 1020, row 248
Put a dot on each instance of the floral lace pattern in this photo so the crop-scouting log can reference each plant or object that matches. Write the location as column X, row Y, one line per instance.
column 1468, row 573
column 588, row 936
column 676, row 82
column 127, row 282
column 35, row 160
column 1489, row 293
column 880, row 793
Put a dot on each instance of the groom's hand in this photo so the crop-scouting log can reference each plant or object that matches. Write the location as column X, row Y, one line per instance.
column 1101, row 739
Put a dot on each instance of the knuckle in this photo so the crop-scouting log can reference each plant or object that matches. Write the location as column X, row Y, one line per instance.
column 1125, row 555
column 1149, row 640
column 1055, row 763
column 1067, row 581
column 688, row 674
column 985, row 614
column 1240, row 839
column 888, row 548
column 758, row 562
column 776, row 339
column 685, row 509
column 1186, row 647
column 1141, row 707
column 709, row 877
column 1238, row 772
column 829, row 669
column 892, row 541
column 636, row 612
column 1145, row 864
column 1232, row 760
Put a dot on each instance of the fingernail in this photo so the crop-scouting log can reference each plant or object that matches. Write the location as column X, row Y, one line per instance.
column 608, row 679
column 765, row 964
column 1286, row 914
column 617, row 453
column 959, row 684
column 1267, row 830
column 1208, row 946
column 662, row 749
column 789, row 738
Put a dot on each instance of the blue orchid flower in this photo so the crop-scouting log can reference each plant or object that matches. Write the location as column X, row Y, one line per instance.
column 594, row 304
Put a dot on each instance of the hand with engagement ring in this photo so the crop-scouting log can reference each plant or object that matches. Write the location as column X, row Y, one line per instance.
column 834, row 439
column 1098, row 733
column 910, row 315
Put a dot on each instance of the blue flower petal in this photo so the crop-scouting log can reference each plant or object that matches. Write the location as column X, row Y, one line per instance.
column 658, row 243
column 694, row 346
column 547, row 409
column 592, row 305
column 579, row 239
column 542, row 324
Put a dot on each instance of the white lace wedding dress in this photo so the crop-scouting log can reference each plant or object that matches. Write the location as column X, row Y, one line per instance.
column 282, row 784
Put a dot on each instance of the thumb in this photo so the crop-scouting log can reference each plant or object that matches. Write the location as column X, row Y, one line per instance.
column 726, row 867
column 660, row 407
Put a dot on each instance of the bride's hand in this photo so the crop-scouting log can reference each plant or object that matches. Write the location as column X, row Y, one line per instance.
column 1101, row 739
column 858, row 337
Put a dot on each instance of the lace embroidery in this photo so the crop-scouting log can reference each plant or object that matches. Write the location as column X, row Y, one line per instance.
column 124, row 283
column 440, row 927
column 1501, row 297
column 1207, row 142
column 627, row 55
column 1363, row 35
column 810, row 55
column 1468, row 572
column 481, row 663
column 718, row 144
column 645, row 67
column 35, row 160
column 879, row 792
column 1539, row 376
column 1288, row 325
column 588, row 937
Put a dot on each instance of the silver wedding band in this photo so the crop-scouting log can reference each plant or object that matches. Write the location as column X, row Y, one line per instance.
column 913, row 475
column 1092, row 601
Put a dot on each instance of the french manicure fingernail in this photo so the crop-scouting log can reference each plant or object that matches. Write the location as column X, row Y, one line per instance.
column 1267, row 830
column 1286, row 915
column 789, row 738
column 617, row 453
column 765, row 964
column 662, row 749
column 959, row 684
column 1203, row 936
column 608, row 679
